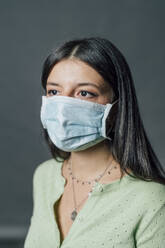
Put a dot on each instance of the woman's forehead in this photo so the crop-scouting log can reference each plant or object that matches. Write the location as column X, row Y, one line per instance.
column 76, row 71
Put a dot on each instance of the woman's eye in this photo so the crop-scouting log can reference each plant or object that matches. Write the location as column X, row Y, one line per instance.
column 87, row 92
column 52, row 91
column 83, row 93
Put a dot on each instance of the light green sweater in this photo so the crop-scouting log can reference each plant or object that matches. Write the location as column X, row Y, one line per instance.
column 122, row 214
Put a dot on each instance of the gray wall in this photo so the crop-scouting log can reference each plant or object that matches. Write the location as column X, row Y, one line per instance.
column 29, row 30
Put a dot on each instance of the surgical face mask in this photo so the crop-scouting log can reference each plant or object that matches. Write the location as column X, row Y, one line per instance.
column 74, row 124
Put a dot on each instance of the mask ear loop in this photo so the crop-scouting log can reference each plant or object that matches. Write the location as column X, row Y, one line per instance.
column 42, row 111
column 106, row 113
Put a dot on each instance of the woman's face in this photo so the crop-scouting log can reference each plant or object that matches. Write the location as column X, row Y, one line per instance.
column 74, row 78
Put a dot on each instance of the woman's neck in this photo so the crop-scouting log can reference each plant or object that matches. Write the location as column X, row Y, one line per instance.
column 91, row 162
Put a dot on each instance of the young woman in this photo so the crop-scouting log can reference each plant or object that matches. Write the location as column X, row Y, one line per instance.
column 104, row 186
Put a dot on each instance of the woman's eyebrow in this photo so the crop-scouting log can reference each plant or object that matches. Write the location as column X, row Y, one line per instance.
column 80, row 84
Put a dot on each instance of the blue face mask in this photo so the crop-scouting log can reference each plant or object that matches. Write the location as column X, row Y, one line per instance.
column 74, row 124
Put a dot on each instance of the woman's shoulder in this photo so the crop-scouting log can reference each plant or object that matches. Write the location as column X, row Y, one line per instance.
column 47, row 164
column 149, row 192
column 46, row 169
column 151, row 186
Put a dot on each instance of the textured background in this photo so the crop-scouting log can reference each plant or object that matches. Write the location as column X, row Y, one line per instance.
column 29, row 30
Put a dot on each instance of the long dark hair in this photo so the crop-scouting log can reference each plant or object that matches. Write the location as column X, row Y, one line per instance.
column 130, row 145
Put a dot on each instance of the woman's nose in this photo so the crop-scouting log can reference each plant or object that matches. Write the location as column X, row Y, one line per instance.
column 68, row 92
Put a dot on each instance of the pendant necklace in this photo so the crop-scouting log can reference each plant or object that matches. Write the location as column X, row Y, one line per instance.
column 97, row 179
